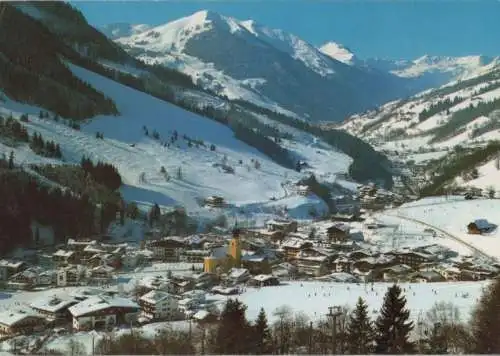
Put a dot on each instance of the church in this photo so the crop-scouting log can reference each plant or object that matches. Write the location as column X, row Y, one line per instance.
column 225, row 257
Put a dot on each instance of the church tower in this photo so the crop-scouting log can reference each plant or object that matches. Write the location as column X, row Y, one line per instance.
column 235, row 248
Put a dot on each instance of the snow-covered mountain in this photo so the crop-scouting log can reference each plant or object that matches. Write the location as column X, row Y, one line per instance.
column 437, row 70
column 339, row 53
column 174, row 149
column 464, row 112
column 123, row 29
column 430, row 71
column 269, row 67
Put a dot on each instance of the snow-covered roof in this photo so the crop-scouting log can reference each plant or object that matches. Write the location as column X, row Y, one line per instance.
column 53, row 304
column 155, row 296
column 201, row 314
column 482, row 223
column 98, row 303
column 263, row 277
column 237, row 272
column 63, row 253
column 10, row 318
column 10, row 264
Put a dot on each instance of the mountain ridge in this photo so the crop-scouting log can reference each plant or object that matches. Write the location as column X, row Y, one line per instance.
column 273, row 60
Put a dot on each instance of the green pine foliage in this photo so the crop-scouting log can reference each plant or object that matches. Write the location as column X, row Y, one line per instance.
column 12, row 130
column 485, row 321
column 32, row 72
column 360, row 330
column 393, row 326
column 262, row 335
column 438, row 107
column 103, row 173
column 455, row 125
column 45, row 148
column 233, row 335
column 25, row 199
column 456, row 164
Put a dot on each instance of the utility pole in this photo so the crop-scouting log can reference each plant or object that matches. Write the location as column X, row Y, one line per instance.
column 310, row 338
column 333, row 313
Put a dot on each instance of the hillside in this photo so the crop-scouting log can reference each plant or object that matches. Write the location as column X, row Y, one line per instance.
column 267, row 67
column 462, row 112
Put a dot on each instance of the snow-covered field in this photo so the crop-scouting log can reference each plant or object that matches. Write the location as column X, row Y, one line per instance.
column 193, row 175
column 454, row 216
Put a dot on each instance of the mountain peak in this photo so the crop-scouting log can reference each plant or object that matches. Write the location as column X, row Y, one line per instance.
column 338, row 52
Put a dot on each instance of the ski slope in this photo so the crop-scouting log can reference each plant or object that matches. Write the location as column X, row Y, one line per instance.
column 192, row 173
column 454, row 216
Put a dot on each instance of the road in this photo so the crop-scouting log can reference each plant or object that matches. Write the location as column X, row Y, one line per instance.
column 447, row 234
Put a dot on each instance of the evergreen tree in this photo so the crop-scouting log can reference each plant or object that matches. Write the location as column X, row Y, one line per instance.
column 360, row 333
column 486, row 321
column 11, row 160
column 233, row 332
column 262, row 334
column 392, row 326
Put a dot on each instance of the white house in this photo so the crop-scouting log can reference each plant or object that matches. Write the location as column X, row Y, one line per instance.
column 159, row 305
column 103, row 312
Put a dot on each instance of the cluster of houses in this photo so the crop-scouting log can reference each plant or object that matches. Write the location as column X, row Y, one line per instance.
column 223, row 264
column 373, row 198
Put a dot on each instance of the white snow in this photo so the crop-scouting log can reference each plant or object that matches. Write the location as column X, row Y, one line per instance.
column 454, row 216
column 338, row 52
column 249, row 189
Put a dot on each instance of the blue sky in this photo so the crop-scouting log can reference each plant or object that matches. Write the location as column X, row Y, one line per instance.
column 397, row 29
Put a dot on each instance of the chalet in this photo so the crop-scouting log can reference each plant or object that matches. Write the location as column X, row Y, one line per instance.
column 191, row 301
column 158, row 305
column 285, row 226
column 263, row 280
column 180, row 284
column 203, row 279
column 342, row 264
column 238, row 275
column 256, row 263
column 480, row 226
column 166, row 249
column 338, row 232
column 451, row 273
column 70, row 275
column 303, row 190
column 215, row 201
column 274, row 236
column 103, row 312
column 312, row 262
column 396, row 273
column 194, row 256
column 63, row 258
column 27, row 279
column 358, row 254
column 54, row 309
column 225, row 290
column 293, row 246
column 20, row 322
column 412, row 258
column 160, row 283
column 427, row 277
column 8, row 268
column 102, row 273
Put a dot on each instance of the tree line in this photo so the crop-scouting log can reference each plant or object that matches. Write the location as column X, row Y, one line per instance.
column 439, row 107
column 462, row 117
column 456, row 164
column 31, row 70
